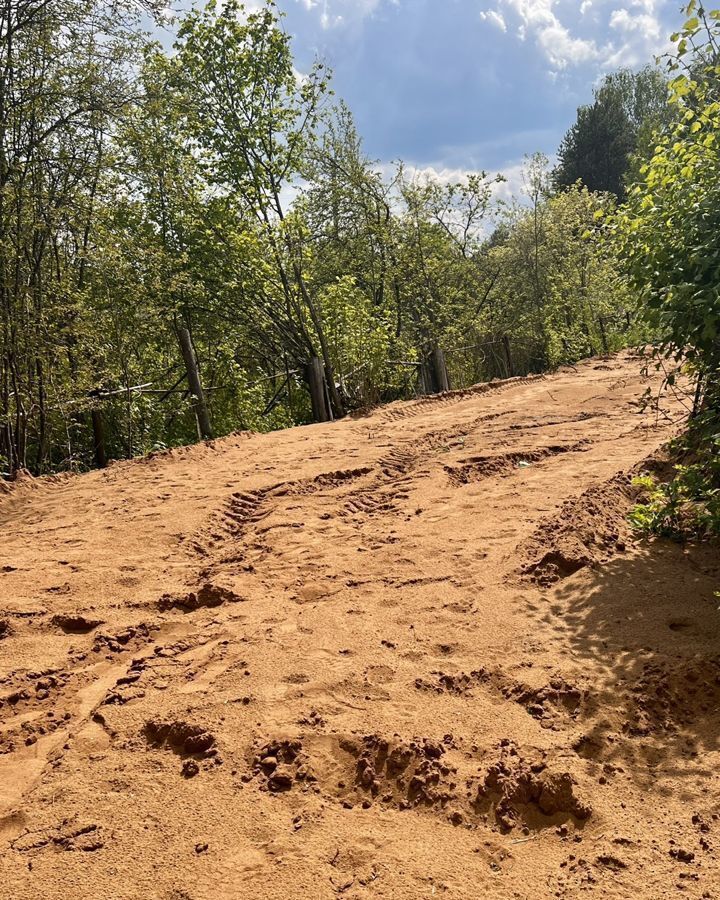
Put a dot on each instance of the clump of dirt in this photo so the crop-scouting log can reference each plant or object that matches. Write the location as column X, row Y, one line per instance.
column 29, row 732
column 122, row 640
column 182, row 738
column 335, row 479
column 585, row 532
column 33, row 687
column 126, row 687
column 518, row 789
column 67, row 836
column 282, row 764
column 544, row 703
column 76, row 624
column 208, row 596
column 5, row 629
column 402, row 774
column 460, row 683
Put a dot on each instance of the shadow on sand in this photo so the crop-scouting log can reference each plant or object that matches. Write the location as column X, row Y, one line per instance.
column 645, row 628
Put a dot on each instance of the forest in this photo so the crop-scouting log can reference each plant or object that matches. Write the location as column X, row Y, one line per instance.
column 193, row 242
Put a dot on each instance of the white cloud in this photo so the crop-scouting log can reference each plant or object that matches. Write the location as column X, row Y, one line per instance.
column 644, row 23
column 538, row 19
column 602, row 33
column 338, row 13
column 494, row 17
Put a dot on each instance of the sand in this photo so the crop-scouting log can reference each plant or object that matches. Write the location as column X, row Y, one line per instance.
column 417, row 653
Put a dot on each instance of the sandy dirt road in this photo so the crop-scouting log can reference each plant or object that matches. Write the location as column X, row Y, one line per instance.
column 409, row 655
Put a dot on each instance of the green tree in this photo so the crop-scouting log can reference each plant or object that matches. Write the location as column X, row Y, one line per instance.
column 668, row 232
column 600, row 147
column 66, row 80
column 669, row 236
column 254, row 117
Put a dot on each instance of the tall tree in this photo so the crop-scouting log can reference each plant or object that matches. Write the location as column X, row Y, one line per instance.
column 65, row 77
column 253, row 116
column 599, row 148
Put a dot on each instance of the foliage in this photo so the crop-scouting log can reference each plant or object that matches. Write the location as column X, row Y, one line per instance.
column 669, row 230
column 181, row 232
column 600, row 147
column 559, row 290
column 669, row 236
column 689, row 503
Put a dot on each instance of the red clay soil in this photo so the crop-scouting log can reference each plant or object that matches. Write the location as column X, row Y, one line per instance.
column 409, row 655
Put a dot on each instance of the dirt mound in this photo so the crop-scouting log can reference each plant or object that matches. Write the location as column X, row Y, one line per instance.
column 548, row 703
column 585, row 532
column 481, row 467
column 76, row 624
column 208, row 596
column 671, row 697
column 522, row 791
column 25, row 481
column 183, row 738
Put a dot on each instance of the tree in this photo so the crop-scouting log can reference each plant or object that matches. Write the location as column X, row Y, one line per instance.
column 599, row 148
column 66, row 78
column 253, row 118
column 183, row 236
column 669, row 237
column 560, row 293
column 669, row 230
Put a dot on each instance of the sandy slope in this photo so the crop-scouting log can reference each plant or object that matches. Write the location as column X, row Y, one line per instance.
column 408, row 655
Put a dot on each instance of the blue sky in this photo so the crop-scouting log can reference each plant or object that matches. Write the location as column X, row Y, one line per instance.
column 466, row 84
column 454, row 85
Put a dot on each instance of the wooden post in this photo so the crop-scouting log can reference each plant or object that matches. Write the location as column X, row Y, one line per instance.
column 508, row 357
column 442, row 382
column 196, row 389
column 426, row 377
column 315, row 376
column 603, row 334
column 99, row 446
column 433, row 373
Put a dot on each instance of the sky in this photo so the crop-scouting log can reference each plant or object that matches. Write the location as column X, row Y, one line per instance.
column 456, row 85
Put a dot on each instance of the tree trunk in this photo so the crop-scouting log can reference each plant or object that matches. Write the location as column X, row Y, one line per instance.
column 191, row 365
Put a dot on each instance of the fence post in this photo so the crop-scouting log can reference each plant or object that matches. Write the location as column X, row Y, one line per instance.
column 603, row 334
column 98, row 427
column 508, row 357
column 316, row 382
column 441, row 379
column 426, row 377
column 202, row 415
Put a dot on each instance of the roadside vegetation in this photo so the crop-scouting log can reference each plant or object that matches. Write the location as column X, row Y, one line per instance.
column 188, row 238
column 668, row 237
